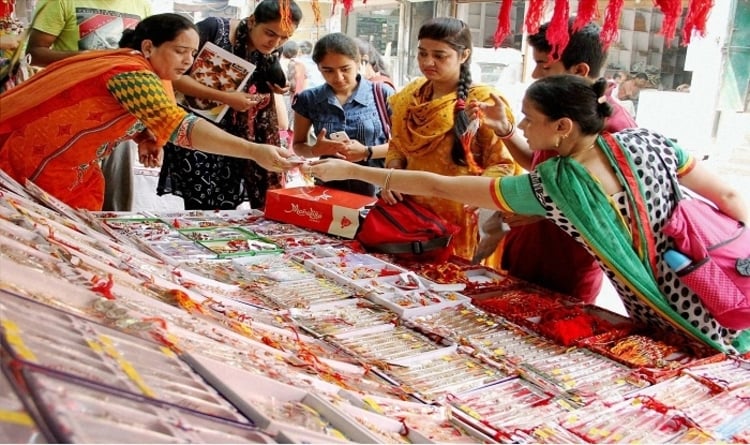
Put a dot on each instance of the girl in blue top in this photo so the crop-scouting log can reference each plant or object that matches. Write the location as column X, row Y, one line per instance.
column 345, row 103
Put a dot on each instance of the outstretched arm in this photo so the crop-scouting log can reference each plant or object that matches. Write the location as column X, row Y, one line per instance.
column 471, row 190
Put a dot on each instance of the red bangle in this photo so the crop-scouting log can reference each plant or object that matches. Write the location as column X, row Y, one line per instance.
column 509, row 134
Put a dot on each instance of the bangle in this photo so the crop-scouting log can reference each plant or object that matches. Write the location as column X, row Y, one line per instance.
column 387, row 183
column 507, row 135
column 369, row 154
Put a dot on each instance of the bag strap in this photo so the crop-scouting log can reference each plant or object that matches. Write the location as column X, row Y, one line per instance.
column 385, row 118
column 415, row 247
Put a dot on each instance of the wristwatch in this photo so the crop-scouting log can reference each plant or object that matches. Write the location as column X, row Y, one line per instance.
column 369, row 154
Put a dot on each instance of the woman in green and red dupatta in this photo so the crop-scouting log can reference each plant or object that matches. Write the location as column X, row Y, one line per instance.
column 584, row 191
column 56, row 127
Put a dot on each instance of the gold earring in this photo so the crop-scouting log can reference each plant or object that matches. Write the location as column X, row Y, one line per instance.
column 557, row 144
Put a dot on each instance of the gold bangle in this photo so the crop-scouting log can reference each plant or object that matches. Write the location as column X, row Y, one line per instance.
column 507, row 135
column 387, row 183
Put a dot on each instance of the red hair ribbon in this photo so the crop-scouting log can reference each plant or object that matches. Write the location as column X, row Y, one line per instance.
column 503, row 23
column 460, row 105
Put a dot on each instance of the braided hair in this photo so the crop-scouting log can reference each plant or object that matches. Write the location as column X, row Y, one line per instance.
column 457, row 34
column 267, row 66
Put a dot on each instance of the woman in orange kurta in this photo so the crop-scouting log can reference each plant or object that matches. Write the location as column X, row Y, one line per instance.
column 428, row 119
column 56, row 127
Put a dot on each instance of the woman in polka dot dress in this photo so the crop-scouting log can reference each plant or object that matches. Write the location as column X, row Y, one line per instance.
column 583, row 191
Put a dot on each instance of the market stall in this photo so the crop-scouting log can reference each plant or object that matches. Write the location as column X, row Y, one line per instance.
column 221, row 327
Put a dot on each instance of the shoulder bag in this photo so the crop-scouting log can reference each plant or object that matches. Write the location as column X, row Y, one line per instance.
column 407, row 230
column 715, row 249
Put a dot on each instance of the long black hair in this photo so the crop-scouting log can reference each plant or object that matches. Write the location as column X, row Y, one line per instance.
column 158, row 28
column 457, row 34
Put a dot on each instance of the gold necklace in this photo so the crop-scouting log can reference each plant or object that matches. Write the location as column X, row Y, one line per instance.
column 574, row 155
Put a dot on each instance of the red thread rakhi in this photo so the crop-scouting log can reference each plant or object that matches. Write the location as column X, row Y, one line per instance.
column 611, row 20
column 696, row 18
column 671, row 10
column 558, row 34
column 503, row 23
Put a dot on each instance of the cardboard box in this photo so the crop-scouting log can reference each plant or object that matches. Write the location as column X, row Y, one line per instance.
column 324, row 209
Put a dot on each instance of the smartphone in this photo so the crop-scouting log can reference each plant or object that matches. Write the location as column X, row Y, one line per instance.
column 339, row 136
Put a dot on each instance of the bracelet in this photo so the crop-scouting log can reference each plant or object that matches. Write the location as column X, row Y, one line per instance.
column 387, row 183
column 507, row 135
column 369, row 154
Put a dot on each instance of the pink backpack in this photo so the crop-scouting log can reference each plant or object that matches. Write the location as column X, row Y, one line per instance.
column 719, row 247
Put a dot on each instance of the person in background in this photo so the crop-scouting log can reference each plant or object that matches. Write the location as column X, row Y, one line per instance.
column 306, row 73
column 373, row 65
column 289, row 52
column 62, row 28
column 345, row 103
column 581, row 191
column 429, row 123
column 535, row 249
column 209, row 181
column 56, row 127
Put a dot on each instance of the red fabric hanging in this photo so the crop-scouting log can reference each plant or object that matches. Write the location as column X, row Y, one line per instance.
column 697, row 15
column 534, row 16
column 503, row 23
column 671, row 10
column 6, row 8
column 588, row 10
column 558, row 34
column 348, row 6
column 611, row 21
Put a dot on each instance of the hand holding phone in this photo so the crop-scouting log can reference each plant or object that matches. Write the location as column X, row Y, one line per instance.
column 340, row 136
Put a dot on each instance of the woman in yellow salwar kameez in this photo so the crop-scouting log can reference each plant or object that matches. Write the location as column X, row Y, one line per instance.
column 429, row 121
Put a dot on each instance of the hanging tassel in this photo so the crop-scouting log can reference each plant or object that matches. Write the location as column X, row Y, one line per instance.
column 671, row 10
column 534, row 16
column 611, row 21
column 348, row 6
column 285, row 10
column 317, row 16
column 503, row 23
column 588, row 10
column 697, row 15
column 6, row 8
column 558, row 34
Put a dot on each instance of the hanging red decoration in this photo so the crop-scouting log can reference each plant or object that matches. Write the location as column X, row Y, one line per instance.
column 503, row 23
column 671, row 10
column 696, row 18
column 6, row 8
column 611, row 20
column 558, row 34
column 534, row 16
column 348, row 6
column 588, row 10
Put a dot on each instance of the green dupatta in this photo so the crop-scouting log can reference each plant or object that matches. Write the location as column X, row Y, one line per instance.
column 593, row 213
